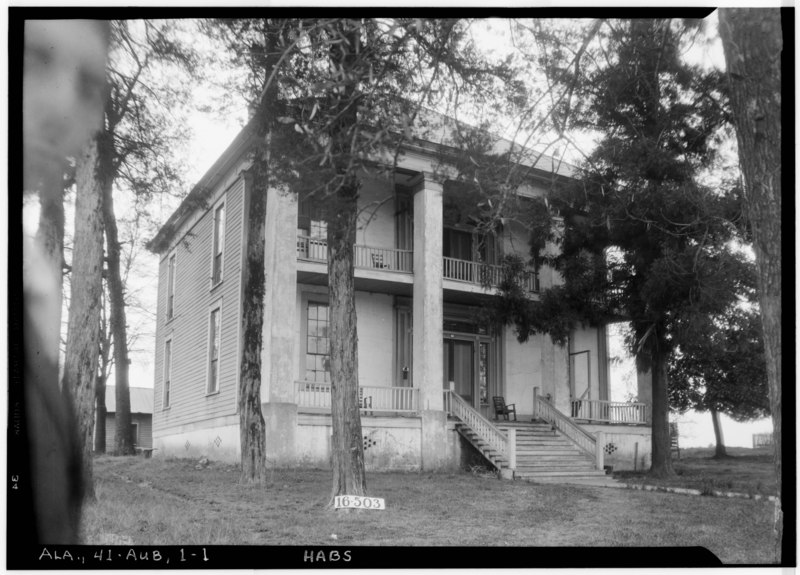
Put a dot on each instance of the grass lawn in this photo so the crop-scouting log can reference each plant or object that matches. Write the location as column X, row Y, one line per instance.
column 747, row 471
column 170, row 502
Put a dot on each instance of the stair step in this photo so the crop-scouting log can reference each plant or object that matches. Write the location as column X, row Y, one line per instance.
column 549, row 451
column 555, row 466
column 564, row 473
column 551, row 458
column 548, row 445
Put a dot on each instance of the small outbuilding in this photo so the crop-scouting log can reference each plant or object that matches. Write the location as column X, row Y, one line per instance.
column 141, row 416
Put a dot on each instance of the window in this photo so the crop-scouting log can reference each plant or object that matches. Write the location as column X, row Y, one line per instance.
column 218, row 244
column 171, row 287
column 213, row 352
column 318, row 343
column 313, row 231
column 318, row 229
column 167, row 370
column 135, row 433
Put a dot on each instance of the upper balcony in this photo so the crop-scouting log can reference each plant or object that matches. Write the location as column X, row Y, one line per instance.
column 397, row 266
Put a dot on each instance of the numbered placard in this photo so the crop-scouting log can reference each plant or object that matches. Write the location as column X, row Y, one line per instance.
column 358, row 502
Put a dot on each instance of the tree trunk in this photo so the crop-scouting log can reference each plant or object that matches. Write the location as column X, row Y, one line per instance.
column 50, row 430
column 348, row 443
column 101, row 381
column 100, row 414
column 661, row 461
column 83, row 331
column 719, row 450
column 753, row 43
column 123, row 438
column 50, row 243
column 251, row 421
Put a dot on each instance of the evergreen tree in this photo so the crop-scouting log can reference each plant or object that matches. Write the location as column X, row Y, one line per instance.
column 640, row 236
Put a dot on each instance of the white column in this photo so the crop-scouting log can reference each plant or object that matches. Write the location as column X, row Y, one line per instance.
column 279, row 405
column 280, row 293
column 428, row 307
column 428, row 319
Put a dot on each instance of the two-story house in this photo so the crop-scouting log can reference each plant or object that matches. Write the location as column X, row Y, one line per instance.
column 428, row 371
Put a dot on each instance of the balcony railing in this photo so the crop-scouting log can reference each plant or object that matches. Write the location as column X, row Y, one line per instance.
column 372, row 398
column 609, row 411
column 482, row 274
column 367, row 257
column 364, row 257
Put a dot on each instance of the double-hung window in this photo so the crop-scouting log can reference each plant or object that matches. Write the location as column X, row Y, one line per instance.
column 213, row 351
column 218, row 244
column 167, row 371
column 318, row 343
column 171, row 287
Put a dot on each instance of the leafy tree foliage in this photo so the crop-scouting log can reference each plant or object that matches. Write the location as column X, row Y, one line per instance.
column 720, row 367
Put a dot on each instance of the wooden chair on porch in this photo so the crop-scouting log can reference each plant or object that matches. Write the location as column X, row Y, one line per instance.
column 500, row 407
column 364, row 402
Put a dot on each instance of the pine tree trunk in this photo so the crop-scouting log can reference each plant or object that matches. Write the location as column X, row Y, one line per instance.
column 100, row 414
column 753, row 44
column 661, row 461
column 251, row 420
column 719, row 450
column 123, row 438
column 50, row 243
column 56, row 489
column 83, row 331
column 100, row 384
column 348, row 444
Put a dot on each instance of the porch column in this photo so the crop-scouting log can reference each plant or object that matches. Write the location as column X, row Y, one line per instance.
column 428, row 319
column 278, row 334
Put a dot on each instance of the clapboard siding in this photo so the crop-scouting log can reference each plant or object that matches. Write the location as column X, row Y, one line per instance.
column 189, row 328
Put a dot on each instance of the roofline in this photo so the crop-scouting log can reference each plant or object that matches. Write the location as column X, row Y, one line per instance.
column 243, row 140
column 246, row 137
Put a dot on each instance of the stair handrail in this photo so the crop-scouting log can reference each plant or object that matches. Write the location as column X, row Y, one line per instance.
column 543, row 409
column 484, row 428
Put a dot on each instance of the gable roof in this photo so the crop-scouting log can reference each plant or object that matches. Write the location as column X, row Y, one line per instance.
column 141, row 399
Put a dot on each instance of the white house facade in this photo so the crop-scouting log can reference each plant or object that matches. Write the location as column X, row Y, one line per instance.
column 428, row 372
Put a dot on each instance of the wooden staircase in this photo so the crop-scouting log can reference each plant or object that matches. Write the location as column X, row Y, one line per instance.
column 543, row 451
column 545, row 456
column 499, row 460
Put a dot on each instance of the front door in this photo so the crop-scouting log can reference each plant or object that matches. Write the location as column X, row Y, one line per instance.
column 579, row 383
column 459, row 360
column 468, row 370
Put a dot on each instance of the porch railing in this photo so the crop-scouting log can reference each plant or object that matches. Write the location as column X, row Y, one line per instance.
column 486, row 430
column 543, row 409
column 371, row 397
column 364, row 257
column 483, row 274
column 604, row 411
